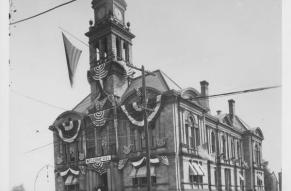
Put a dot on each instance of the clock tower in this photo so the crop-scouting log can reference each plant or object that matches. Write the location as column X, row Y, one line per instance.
column 110, row 43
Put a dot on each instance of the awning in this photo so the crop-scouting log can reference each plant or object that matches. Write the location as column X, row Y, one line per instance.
column 71, row 180
column 192, row 170
column 198, row 169
column 241, row 176
column 142, row 172
column 132, row 173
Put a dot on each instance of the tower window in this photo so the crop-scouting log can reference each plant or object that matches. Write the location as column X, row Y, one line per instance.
column 118, row 48
column 104, row 49
column 97, row 53
column 126, row 51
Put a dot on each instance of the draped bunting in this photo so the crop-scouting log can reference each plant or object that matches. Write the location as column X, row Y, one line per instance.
column 74, row 172
column 140, row 162
column 134, row 112
column 100, row 117
column 68, row 131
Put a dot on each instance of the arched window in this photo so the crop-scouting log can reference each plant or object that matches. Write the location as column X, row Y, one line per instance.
column 187, row 133
column 197, row 134
column 213, row 142
column 257, row 155
column 192, row 133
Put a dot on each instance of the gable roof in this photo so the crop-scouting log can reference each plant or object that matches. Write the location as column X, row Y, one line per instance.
column 160, row 82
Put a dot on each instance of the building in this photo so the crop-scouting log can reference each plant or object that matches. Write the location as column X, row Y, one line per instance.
column 100, row 144
column 270, row 178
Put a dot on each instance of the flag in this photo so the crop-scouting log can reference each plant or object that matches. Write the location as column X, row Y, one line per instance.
column 72, row 55
column 165, row 160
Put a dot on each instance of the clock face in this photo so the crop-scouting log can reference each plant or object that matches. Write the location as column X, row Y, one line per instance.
column 101, row 13
column 118, row 14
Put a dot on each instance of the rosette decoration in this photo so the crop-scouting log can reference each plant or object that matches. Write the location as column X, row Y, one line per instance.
column 99, row 167
column 99, row 72
column 134, row 111
column 68, row 126
column 99, row 114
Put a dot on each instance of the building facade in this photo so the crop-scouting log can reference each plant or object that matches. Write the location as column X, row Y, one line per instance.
column 100, row 144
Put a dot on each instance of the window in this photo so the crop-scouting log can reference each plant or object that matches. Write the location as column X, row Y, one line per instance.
column 223, row 147
column 187, row 133
column 72, row 187
column 142, row 181
column 238, row 149
column 104, row 44
column 97, row 53
column 118, row 48
column 213, row 142
column 126, row 51
column 227, row 179
column 72, row 152
column 232, row 149
column 215, row 177
column 135, row 181
column 257, row 154
column 196, row 179
column 90, row 143
column 197, row 135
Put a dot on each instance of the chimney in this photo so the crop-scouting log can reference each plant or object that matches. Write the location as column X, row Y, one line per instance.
column 231, row 105
column 218, row 112
column 204, row 92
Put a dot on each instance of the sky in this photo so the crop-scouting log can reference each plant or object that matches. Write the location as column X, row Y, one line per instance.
column 233, row 44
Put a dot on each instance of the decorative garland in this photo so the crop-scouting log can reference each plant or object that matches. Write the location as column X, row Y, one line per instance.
column 69, row 131
column 134, row 112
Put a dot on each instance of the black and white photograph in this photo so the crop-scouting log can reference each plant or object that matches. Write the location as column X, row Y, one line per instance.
column 135, row 95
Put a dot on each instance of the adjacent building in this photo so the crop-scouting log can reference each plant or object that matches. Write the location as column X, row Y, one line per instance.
column 100, row 144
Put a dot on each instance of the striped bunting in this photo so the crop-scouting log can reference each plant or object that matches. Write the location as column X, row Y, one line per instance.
column 69, row 131
column 99, row 167
column 72, row 55
column 99, row 72
column 134, row 113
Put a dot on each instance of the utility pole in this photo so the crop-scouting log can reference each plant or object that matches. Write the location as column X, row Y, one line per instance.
column 146, row 130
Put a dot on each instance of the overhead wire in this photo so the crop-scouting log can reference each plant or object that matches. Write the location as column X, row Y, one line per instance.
column 37, row 100
column 41, row 13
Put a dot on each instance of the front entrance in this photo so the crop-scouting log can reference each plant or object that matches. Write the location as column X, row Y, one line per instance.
column 104, row 183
